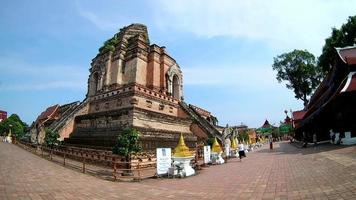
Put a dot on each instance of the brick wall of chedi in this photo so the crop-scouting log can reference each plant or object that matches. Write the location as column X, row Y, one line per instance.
column 133, row 83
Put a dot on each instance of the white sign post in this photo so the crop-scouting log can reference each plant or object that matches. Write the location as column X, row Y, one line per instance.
column 207, row 154
column 163, row 160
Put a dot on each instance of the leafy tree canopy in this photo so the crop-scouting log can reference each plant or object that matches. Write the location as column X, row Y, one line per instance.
column 51, row 137
column 14, row 122
column 285, row 128
column 345, row 36
column 298, row 68
column 210, row 141
column 127, row 143
column 243, row 136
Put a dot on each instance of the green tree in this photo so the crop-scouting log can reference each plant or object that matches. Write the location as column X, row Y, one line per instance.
column 345, row 36
column 210, row 141
column 51, row 137
column 298, row 68
column 285, row 128
column 243, row 136
column 14, row 122
column 126, row 143
column 276, row 133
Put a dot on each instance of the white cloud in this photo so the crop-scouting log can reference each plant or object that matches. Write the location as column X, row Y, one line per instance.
column 21, row 76
column 236, row 76
column 43, row 86
column 281, row 24
column 96, row 20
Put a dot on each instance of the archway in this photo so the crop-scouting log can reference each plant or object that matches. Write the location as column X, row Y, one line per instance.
column 175, row 89
column 95, row 82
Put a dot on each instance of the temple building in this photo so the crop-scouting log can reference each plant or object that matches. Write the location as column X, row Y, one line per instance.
column 58, row 118
column 135, row 84
column 3, row 115
column 266, row 128
column 332, row 109
column 297, row 117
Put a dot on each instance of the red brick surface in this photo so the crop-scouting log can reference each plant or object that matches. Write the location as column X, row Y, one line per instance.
column 284, row 173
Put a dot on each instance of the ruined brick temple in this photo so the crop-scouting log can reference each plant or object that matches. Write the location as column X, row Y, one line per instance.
column 133, row 83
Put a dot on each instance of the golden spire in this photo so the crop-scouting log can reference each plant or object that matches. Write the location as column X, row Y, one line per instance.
column 181, row 150
column 216, row 146
column 233, row 144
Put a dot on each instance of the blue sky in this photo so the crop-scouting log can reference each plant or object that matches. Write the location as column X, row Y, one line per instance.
column 225, row 49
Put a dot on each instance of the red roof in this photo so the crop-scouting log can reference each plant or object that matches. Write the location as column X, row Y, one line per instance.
column 48, row 113
column 298, row 115
column 347, row 54
column 201, row 111
column 350, row 84
column 3, row 114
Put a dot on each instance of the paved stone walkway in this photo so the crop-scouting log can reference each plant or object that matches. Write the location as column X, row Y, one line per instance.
column 287, row 172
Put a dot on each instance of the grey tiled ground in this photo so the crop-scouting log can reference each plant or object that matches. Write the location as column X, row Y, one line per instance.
column 284, row 173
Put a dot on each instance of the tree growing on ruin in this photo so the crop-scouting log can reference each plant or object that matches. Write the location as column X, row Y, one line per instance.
column 300, row 72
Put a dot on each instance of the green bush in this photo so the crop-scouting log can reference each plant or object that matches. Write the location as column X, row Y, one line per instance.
column 51, row 137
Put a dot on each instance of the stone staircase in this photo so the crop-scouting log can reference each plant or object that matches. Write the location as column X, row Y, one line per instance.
column 203, row 123
column 68, row 114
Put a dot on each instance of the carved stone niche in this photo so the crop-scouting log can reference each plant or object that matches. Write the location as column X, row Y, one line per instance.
column 97, row 107
column 149, row 103
column 119, row 102
column 170, row 109
column 161, row 106
column 134, row 101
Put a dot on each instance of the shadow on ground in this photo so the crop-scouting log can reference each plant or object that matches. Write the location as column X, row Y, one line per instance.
column 285, row 148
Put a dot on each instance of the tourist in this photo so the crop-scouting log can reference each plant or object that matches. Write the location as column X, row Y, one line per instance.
column 271, row 144
column 315, row 140
column 241, row 151
column 332, row 136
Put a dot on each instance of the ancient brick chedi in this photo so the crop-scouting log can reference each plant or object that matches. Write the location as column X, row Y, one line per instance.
column 133, row 83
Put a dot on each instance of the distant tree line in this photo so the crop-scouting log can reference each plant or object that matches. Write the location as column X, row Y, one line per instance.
column 18, row 127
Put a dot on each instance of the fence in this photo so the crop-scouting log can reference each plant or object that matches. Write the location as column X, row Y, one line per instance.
column 102, row 163
column 134, row 170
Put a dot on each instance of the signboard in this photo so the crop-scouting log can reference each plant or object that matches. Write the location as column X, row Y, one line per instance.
column 207, row 154
column 163, row 160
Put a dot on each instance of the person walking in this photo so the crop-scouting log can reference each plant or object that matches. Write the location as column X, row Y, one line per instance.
column 241, row 151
